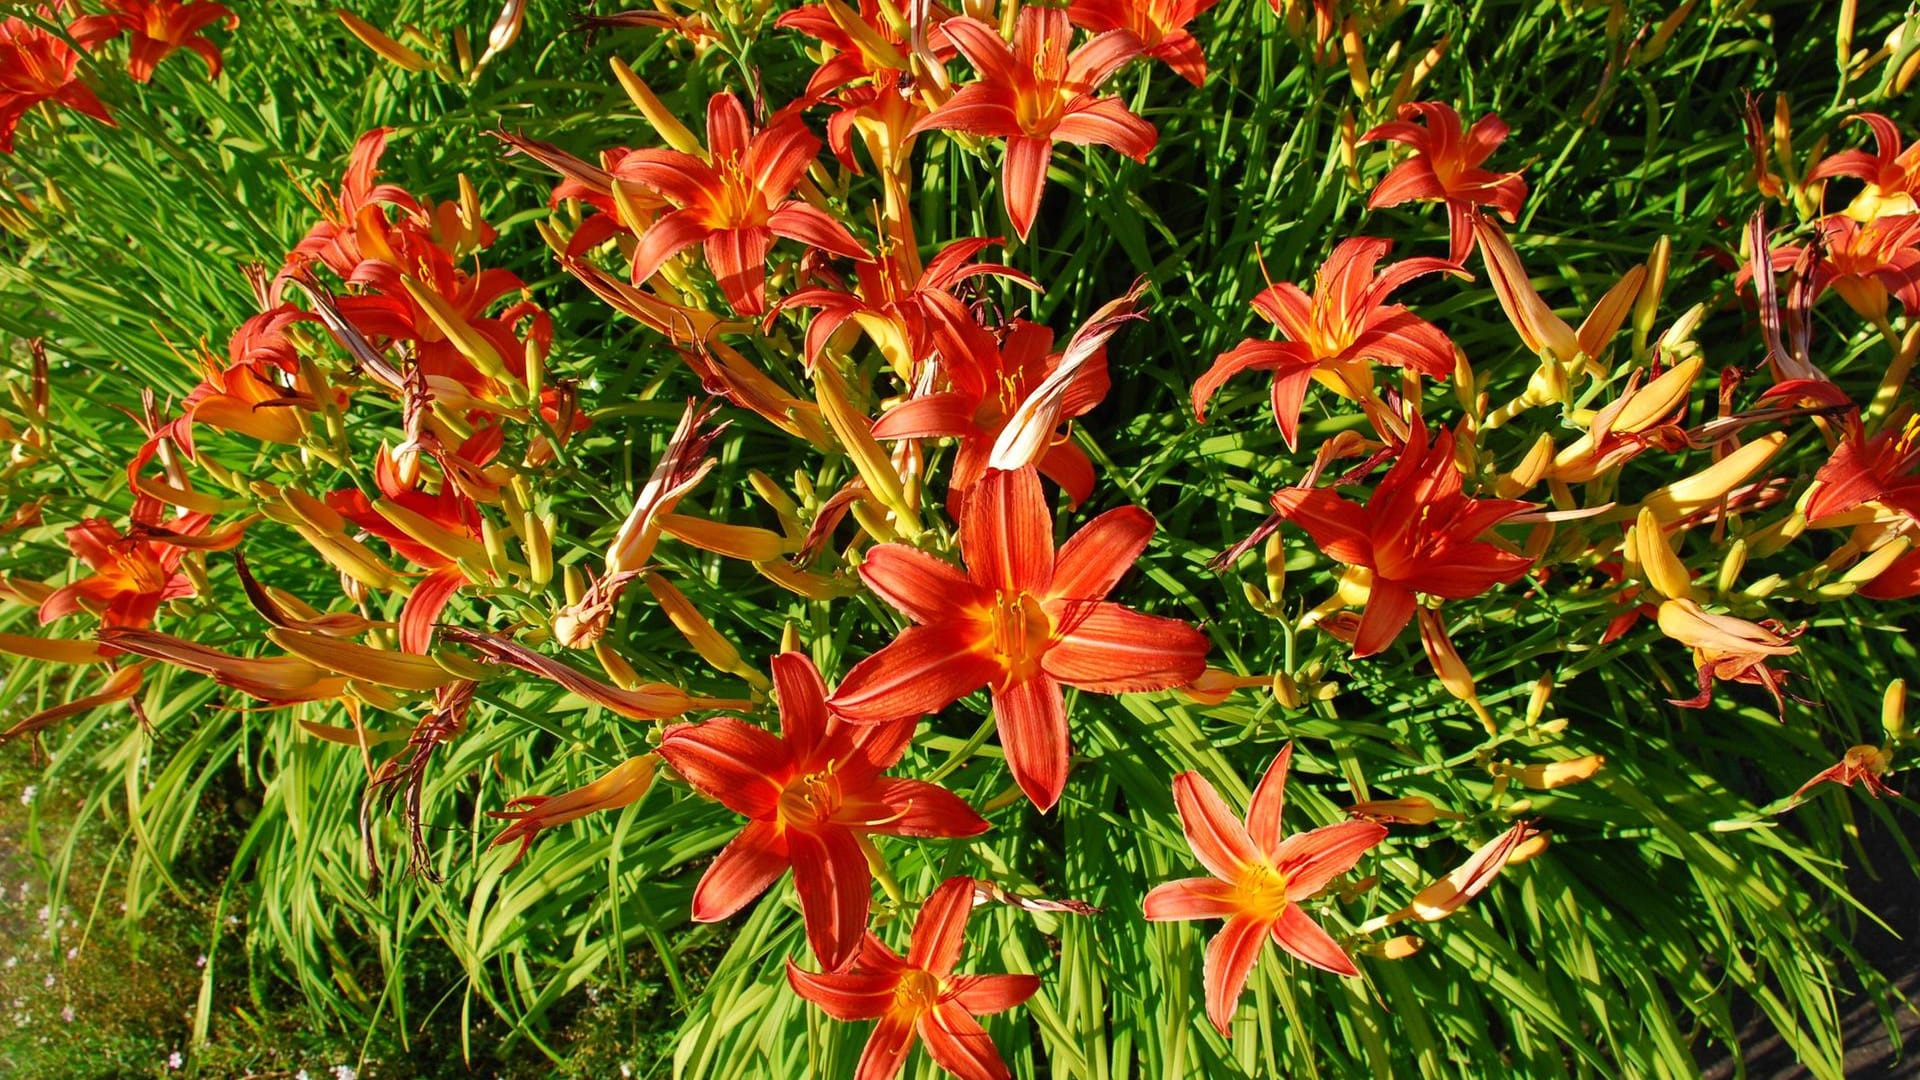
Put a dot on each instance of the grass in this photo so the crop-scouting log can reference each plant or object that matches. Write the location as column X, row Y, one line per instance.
column 1672, row 899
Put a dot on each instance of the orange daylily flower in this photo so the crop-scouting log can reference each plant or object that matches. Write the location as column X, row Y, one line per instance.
column 1334, row 333
column 36, row 65
column 1037, row 93
column 1891, row 172
column 1729, row 649
column 1417, row 533
column 257, row 393
column 895, row 304
column 419, row 294
column 333, row 240
column 1866, row 264
column 1884, row 469
column 1863, row 764
column 814, row 793
column 868, row 80
column 134, row 573
column 1259, row 880
column 157, row 27
column 1161, row 26
column 1446, row 168
column 736, row 202
column 454, row 521
column 1022, row 620
column 920, row 995
column 990, row 374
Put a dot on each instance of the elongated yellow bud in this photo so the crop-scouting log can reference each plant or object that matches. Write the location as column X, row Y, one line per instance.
column 1877, row 561
column 1538, row 698
column 719, row 653
column 1893, row 710
column 665, row 124
column 1712, row 483
column 1660, row 397
column 1646, row 306
column 1730, row 566
column 1451, row 670
column 1276, row 567
column 461, row 334
column 734, row 541
column 616, row 666
column 1662, row 567
column 1529, row 472
column 402, row 671
column 536, row 535
column 1410, row 810
column 1558, row 774
column 856, row 435
column 431, row 534
column 387, row 48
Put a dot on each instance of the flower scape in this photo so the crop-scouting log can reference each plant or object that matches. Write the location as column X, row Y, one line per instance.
column 932, row 537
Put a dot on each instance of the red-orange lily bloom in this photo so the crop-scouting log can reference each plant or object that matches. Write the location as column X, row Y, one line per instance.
column 1892, row 172
column 1259, row 879
column 1334, row 333
column 1866, row 264
column 158, row 27
column 990, row 375
column 1417, row 533
column 736, row 203
column 1446, row 168
column 1161, row 26
column 334, row 240
column 133, row 574
column 450, row 510
column 813, row 793
column 896, row 300
column 35, row 66
column 1023, row 620
column 868, row 80
column 1880, row 469
column 919, row 994
column 1035, row 94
